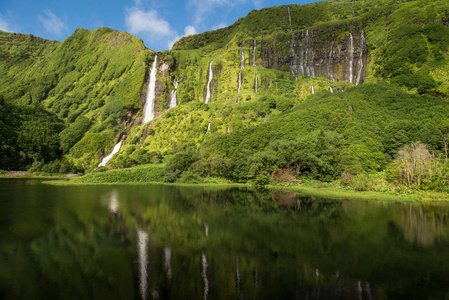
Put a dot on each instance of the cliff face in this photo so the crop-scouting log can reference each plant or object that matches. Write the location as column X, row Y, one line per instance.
column 265, row 63
column 343, row 58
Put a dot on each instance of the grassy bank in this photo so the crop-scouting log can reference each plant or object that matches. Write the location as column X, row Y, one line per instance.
column 338, row 193
column 154, row 174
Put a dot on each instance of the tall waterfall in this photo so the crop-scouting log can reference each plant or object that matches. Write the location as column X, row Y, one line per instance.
column 242, row 56
column 289, row 18
column 208, row 128
column 240, row 84
column 142, row 247
column 256, row 83
column 351, row 57
column 148, row 110
column 211, row 75
column 331, row 89
column 108, row 158
column 313, row 90
column 173, row 98
column 360, row 63
column 254, row 53
column 307, row 58
column 330, row 70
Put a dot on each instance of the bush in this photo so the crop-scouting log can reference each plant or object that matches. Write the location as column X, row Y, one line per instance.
column 190, row 177
column 361, row 182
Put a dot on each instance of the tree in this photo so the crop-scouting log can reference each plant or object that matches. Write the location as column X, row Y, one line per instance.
column 411, row 164
column 444, row 128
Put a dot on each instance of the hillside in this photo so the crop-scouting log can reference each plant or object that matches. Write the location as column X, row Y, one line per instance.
column 366, row 77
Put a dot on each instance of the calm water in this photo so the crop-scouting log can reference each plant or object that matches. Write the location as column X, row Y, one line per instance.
column 166, row 242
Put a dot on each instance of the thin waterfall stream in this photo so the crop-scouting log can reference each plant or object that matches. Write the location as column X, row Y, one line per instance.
column 211, row 76
column 148, row 110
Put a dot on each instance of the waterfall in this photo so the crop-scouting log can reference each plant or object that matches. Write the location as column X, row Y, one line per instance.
column 294, row 66
column 148, row 110
column 240, row 82
column 360, row 63
column 309, row 68
column 227, row 130
column 108, row 158
column 313, row 90
column 142, row 245
column 211, row 75
column 289, row 18
column 173, row 98
column 167, row 262
column 242, row 56
column 206, row 228
column 256, row 83
column 204, row 266
column 329, row 64
column 331, row 89
column 254, row 54
column 351, row 58
column 207, row 131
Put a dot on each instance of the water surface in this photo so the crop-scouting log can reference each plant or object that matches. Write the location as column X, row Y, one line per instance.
column 171, row 242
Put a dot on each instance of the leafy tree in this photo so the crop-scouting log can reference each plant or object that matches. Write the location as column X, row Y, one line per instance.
column 410, row 165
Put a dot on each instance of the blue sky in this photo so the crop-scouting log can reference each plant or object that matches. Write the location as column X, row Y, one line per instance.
column 158, row 23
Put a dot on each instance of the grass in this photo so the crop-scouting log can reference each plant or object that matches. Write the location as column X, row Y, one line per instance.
column 338, row 193
column 154, row 174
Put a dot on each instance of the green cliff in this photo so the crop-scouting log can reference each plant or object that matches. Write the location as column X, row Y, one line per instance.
column 349, row 83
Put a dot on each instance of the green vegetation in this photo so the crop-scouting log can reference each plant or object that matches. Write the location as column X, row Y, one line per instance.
column 65, row 105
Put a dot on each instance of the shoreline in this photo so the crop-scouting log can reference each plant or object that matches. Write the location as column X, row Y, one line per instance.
column 324, row 192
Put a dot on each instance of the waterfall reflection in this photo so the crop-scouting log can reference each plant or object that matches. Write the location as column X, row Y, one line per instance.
column 237, row 276
column 142, row 248
column 167, row 262
column 204, row 266
column 113, row 202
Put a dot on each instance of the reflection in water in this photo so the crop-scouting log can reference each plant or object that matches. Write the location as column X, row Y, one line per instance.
column 204, row 266
column 422, row 227
column 256, row 282
column 359, row 289
column 142, row 246
column 298, row 247
column 113, row 202
column 368, row 290
column 167, row 262
column 237, row 276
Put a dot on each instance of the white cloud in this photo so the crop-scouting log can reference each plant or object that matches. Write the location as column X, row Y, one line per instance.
column 188, row 30
column 4, row 25
column 52, row 23
column 203, row 7
column 258, row 4
column 219, row 25
column 141, row 21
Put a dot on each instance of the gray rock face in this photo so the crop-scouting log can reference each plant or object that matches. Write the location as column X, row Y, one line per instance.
column 314, row 53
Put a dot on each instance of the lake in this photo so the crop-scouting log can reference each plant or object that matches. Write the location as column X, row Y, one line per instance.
column 178, row 242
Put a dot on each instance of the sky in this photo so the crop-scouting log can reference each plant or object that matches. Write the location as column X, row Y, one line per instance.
column 158, row 23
